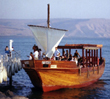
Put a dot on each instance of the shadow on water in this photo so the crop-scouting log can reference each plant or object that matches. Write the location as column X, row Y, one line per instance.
column 93, row 91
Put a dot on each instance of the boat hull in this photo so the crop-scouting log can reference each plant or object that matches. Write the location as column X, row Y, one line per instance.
column 49, row 79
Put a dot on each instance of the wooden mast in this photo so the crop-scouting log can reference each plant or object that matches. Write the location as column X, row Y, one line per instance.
column 48, row 16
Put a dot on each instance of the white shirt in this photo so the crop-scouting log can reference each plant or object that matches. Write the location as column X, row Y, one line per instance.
column 36, row 54
column 30, row 58
column 56, row 54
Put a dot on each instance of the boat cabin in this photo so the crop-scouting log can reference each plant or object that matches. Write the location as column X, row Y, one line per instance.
column 91, row 53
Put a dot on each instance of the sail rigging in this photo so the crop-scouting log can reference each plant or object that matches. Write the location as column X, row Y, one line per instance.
column 47, row 38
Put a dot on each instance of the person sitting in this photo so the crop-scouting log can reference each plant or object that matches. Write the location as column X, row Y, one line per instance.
column 56, row 54
column 70, row 57
column 74, row 59
column 62, row 58
column 64, row 55
column 31, row 57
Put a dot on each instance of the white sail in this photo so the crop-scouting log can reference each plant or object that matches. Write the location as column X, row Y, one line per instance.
column 47, row 38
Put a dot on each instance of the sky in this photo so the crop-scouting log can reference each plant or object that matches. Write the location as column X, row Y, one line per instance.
column 37, row 9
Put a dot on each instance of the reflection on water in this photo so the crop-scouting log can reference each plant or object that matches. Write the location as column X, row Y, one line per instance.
column 90, row 92
column 94, row 91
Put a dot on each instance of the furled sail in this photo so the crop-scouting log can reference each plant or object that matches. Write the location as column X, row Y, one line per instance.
column 47, row 38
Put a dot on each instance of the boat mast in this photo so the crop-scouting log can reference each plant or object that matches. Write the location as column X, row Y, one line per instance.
column 48, row 16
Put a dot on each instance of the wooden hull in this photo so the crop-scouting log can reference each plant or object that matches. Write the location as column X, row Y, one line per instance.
column 49, row 79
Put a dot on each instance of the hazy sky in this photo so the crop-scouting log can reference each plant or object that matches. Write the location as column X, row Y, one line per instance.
column 37, row 9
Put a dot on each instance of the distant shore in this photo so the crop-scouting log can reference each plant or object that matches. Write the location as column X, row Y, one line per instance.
column 76, row 27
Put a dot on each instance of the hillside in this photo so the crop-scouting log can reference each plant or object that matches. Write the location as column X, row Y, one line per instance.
column 75, row 27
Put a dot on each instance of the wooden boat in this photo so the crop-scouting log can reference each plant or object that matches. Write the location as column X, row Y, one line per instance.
column 49, row 75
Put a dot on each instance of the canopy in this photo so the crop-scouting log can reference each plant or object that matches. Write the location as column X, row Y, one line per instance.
column 47, row 38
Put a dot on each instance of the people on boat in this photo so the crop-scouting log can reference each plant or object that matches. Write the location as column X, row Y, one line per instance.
column 35, row 48
column 43, row 55
column 56, row 54
column 70, row 57
column 74, row 59
column 67, row 54
column 64, row 54
column 62, row 58
column 7, row 51
column 76, row 54
column 40, row 54
column 31, row 57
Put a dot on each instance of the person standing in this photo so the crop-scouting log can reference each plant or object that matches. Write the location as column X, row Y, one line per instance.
column 76, row 54
column 7, row 51
column 56, row 54
column 35, row 52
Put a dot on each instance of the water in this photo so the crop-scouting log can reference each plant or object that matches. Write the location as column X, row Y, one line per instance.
column 22, row 84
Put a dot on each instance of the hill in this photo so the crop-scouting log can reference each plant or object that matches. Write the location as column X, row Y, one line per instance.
column 75, row 27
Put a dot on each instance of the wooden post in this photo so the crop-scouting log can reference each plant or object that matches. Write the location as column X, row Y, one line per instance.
column 83, row 56
column 93, row 69
column 92, row 61
column 48, row 16
column 89, row 57
column 63, row 52
column 97, row 57
column 94, row 58
column 86, row 59
column 100, row 53
column 69, row 51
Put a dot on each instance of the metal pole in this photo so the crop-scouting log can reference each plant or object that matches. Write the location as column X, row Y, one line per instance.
column 48, row 17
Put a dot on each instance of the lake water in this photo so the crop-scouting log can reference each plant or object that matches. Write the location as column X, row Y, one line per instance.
column 22, row 85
